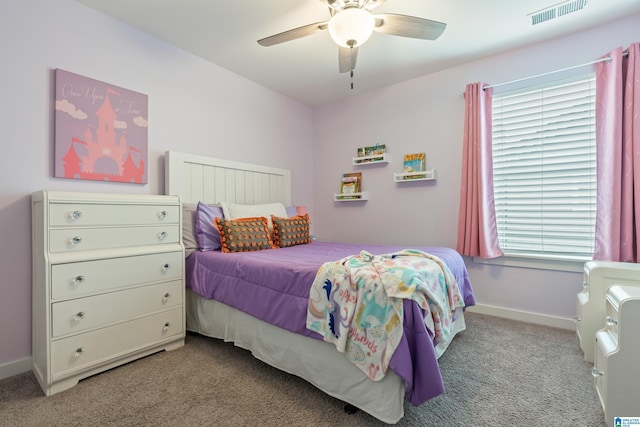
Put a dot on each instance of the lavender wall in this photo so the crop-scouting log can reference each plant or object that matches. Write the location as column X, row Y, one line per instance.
column 194, row 106
column 427, row 114
column 197, row 107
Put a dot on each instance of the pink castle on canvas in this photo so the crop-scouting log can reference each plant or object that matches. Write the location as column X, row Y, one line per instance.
column 108, row 157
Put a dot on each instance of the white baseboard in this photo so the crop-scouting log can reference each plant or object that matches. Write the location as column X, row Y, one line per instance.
column 14, row 368
column 524, row 316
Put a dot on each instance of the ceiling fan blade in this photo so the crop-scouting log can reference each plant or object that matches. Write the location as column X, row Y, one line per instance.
column 408, row 26
column 296, row 33
column 347, row 57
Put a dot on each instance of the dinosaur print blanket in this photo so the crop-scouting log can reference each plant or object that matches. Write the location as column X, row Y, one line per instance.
column 356, row 303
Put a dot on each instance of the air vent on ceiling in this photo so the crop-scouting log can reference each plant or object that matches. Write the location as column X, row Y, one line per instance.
column 556, row 11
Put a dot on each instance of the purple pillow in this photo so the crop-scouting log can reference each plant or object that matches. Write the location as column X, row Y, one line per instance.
column 291, row 211
column 207, row 234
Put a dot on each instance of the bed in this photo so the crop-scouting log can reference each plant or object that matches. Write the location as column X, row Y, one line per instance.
column 258, row 300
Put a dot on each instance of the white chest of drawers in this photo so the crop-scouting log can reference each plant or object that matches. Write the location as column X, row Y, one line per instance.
column 108, row 282
column 590, row 302
column 617, row 355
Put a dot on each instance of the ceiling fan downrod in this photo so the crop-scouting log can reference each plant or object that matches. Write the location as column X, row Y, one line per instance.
column 352, row 43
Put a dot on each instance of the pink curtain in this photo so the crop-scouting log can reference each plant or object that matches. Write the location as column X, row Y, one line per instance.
column 477, row 232
column 618, row 156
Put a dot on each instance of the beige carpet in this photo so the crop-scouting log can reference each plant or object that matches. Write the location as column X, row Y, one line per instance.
column 496, row 373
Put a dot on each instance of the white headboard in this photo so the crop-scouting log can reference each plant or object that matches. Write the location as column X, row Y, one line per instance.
column 198, row 178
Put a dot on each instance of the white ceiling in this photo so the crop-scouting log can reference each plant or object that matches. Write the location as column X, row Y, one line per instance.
column 225, row 32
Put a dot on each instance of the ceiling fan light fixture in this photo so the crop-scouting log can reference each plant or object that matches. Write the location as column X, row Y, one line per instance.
column 351, row 27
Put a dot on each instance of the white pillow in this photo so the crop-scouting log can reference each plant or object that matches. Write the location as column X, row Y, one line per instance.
column 188, row 230
column 235, row 211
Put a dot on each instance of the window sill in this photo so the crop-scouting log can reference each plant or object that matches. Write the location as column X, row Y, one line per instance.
column 576, row 266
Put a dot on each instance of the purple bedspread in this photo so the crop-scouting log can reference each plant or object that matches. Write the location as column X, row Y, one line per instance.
column 273, row 285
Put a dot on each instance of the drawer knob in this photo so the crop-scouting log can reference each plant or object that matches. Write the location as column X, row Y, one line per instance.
column 576, row 319
column 79, row 351
column 79, row 315
column 165, row 267
column 165, row 328
column 78, row 280
column 75, row 215
column 76, row 240
column 162, row 215
column 163, row 235
column 165, row 297
column 597, row 372
column 611, row 321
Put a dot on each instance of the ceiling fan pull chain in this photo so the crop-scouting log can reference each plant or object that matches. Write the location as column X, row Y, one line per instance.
column 351, row 79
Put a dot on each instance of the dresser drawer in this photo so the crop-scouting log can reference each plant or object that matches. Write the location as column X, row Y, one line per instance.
column 598, row 277
column 604, row 346
column 78, row 279
column 82, row 351
column 611, row 319
column 84, row 239
column 82, row 314
column 81, row 214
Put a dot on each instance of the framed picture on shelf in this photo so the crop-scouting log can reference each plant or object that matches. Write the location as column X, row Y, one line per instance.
column 351, row 185
column 413, row 163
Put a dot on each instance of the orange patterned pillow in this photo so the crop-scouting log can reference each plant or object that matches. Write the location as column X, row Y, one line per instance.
column 290, row 231
column 244, row 234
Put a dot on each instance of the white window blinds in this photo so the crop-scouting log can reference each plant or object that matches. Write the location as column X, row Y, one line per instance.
column 544, row 165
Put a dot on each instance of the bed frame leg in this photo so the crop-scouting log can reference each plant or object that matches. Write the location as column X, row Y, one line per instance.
column 350, row 409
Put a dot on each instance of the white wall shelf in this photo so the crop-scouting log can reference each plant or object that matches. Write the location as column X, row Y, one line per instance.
column 353, row 197
column 375, row 159
column 429, row 175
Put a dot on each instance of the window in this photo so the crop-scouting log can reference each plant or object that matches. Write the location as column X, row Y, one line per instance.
column 544, row 165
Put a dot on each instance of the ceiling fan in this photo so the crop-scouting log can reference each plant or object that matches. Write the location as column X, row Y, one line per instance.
column 352, row 23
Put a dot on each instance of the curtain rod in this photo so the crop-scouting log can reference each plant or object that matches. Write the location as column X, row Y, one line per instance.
column 607, row 59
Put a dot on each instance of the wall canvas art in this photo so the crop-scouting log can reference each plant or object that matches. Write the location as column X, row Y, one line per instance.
column 100, row 131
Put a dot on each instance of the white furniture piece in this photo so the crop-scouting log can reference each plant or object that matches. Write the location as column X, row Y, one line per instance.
column 351, row 197
column 371, row 160
column 590, row 302
column 428, row 175
column 617, row 354
column 108, row 282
